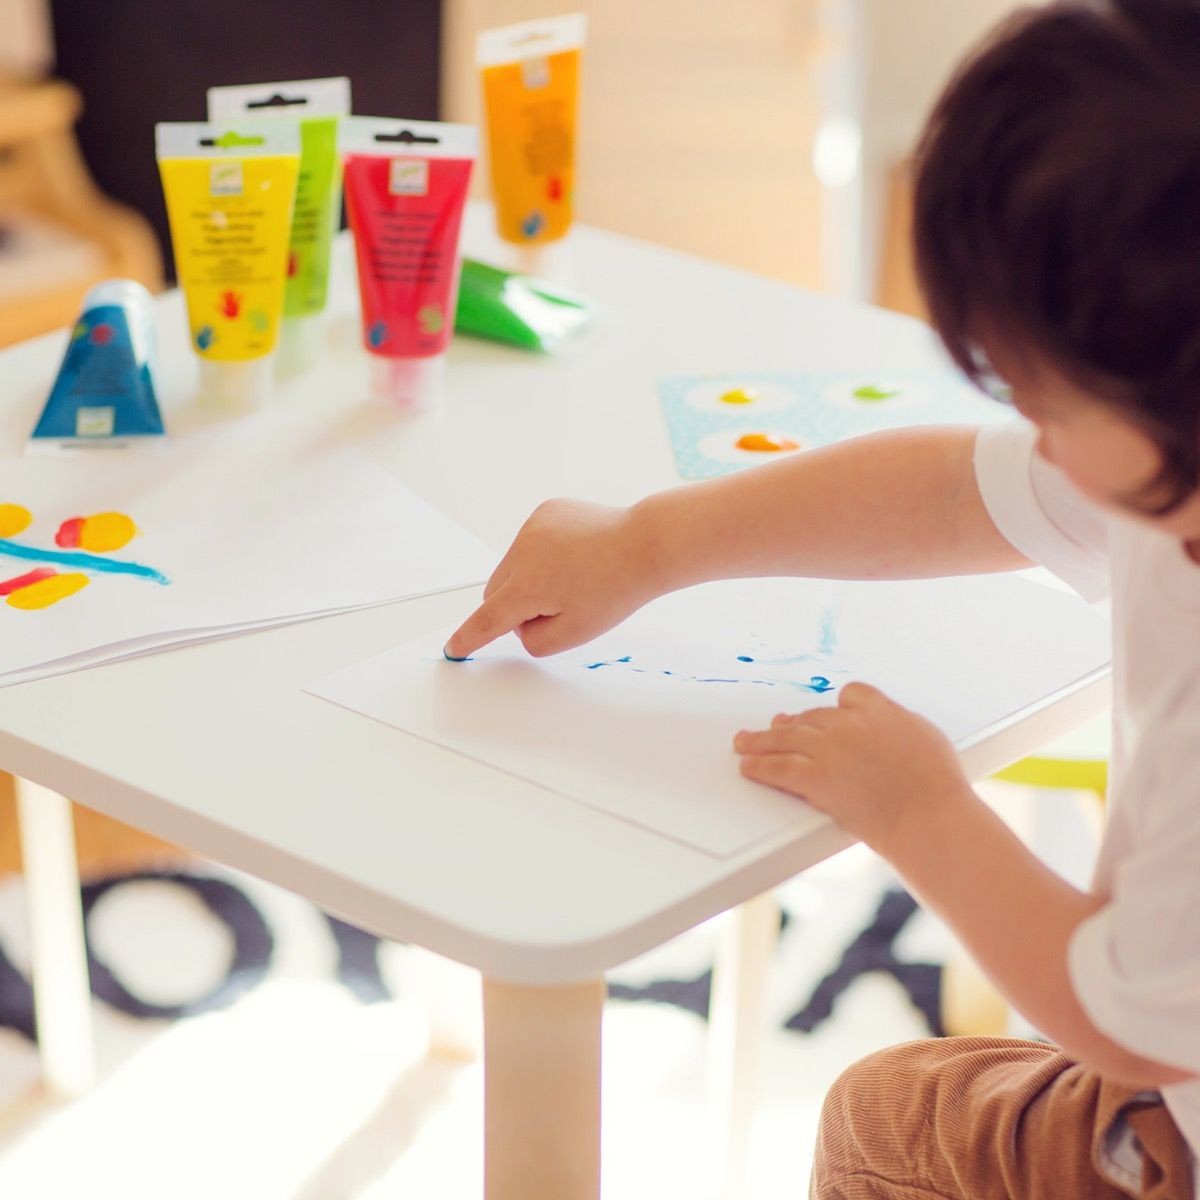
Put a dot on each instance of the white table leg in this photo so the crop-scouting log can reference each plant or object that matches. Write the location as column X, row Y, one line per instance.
column 61, row 992
column 736, row 1033
column 542, row 1091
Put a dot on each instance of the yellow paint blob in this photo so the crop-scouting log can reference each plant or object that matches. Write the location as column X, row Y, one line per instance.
column 738, row 396
column 47, row 591
column 106, row 531
column 766, row 443
column 14, row 519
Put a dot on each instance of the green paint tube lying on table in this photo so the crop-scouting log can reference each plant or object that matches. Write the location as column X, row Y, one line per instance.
column 518, row 309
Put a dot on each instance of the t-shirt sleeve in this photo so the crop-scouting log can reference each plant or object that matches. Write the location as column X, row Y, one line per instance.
column 1135, row 964
column 1039, row 512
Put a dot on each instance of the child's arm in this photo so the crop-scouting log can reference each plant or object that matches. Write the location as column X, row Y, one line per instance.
column 902, row 504
column 893, row 780
column 1016, row 917
column 896, row 505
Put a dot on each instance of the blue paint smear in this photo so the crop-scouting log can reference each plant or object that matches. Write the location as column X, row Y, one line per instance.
column 818, row 684
column 451, row 658
column 87, row 562
column 611, row 662
column 779, row 662
column 828, row 642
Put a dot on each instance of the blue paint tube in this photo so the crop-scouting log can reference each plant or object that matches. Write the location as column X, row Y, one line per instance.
column 104, row 395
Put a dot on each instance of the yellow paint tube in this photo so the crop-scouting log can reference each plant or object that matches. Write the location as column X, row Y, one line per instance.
column 230, row 191
column 530, row 76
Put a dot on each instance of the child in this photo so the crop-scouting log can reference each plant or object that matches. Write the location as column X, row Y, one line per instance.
column 1058, row 242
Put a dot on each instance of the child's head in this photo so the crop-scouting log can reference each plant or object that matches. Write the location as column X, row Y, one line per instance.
column 1057, row 232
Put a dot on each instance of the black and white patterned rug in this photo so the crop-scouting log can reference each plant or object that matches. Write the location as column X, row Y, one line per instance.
column 251, row 1045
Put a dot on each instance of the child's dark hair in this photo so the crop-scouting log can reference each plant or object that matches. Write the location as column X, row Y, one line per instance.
column 1058, row 209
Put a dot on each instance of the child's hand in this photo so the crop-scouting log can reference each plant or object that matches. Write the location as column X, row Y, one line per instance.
column 574, row 571
column 876, row 768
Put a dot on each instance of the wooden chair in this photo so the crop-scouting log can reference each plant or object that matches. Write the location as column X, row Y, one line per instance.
column 43, row 178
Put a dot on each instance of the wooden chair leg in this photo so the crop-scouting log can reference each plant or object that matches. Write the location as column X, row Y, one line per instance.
column 453, row 1004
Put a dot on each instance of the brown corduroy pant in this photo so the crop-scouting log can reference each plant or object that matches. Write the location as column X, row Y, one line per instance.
column 975, row 1118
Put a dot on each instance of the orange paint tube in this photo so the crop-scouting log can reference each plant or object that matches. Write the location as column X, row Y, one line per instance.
column 530, row 76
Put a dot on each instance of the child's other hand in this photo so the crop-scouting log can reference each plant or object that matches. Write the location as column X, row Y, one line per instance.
column 876, row 768
column 574, row 571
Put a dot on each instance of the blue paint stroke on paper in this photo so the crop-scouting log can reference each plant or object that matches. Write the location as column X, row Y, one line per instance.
column 816, row 683
column 777, row 662
column 828, row 642
column 87, row 562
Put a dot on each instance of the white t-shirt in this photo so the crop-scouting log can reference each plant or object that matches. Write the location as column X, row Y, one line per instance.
column 1134, row 964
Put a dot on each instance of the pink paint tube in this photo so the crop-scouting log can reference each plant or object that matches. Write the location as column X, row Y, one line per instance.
column 406, row 185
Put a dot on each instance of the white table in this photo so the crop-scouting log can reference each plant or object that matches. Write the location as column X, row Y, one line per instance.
column 217, row 748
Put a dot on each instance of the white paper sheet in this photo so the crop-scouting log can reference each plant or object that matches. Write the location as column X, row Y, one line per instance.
column 649, row 739
column 259, row 524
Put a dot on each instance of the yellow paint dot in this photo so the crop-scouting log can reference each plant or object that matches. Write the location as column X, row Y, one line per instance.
column 47, row 591
column 738, row 396
column 14, row 519
column 766, row 443
column 106, row 531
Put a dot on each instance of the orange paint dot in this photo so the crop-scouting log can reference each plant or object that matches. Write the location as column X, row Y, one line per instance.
column 14, row 519
column 106, row 531
column 766, row 443
column 47, row 591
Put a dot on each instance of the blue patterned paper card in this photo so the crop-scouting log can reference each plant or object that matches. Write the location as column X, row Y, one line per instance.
column 719, row 424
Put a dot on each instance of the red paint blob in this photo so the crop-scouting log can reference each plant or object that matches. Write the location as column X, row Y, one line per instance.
column 554, row 188
column 293, row 264
column 70, row 533
column 231, row 305
column 102, row 334
column 8, row 586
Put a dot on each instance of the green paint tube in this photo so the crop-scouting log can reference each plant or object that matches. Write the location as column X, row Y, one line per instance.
column 315, row 105
column 518, row 309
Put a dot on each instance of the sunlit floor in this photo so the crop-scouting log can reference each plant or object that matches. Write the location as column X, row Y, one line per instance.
column 300, row 1091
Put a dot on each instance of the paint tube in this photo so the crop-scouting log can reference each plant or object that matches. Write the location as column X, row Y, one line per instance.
column 530, row 78
column 104, row 395
column 506, row 307
column 229, row 192
column 406, row 187
column 314, row 106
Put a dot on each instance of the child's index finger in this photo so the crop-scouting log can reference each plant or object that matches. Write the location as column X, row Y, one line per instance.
column 495, row 617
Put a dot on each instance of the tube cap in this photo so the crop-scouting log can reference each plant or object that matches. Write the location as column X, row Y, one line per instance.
column 302, row 344
column 238, row 386
column 119, row 292
column 544, row 260
column 407, row 382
